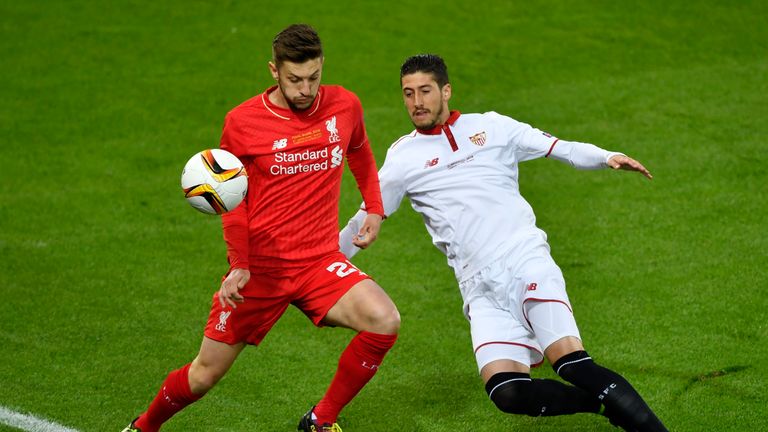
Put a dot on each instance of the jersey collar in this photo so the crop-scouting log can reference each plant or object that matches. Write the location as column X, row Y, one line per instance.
column 438, row 129
column 287, row 113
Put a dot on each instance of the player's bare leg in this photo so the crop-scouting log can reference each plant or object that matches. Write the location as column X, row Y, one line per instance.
column 501, row 366
column 367, row 309
column 562, row 347
column 188, row 384
column 212, row 362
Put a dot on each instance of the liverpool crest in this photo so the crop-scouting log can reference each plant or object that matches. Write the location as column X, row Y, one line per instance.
column 332, row 131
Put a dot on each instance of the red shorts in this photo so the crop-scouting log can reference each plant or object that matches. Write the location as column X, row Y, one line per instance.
column 313, row 288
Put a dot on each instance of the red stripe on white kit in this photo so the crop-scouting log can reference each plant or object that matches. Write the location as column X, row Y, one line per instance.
column 552, row 147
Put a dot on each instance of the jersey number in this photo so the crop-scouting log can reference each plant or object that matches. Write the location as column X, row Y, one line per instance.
column 343, row 269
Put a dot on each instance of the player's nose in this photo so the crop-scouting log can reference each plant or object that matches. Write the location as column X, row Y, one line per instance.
column 305, row 88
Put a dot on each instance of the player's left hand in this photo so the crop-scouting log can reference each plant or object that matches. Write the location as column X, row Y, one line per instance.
column 629, row 164
column 368, row 232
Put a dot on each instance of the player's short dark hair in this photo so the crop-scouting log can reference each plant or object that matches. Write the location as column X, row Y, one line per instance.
column 297, row 43
column 426, row 63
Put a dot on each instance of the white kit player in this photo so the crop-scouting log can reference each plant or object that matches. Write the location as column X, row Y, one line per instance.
column 460, row 173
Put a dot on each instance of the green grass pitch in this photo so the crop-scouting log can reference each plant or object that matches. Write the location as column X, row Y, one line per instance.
column 106, row 273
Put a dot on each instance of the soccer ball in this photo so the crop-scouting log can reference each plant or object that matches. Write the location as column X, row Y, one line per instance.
column 214, row 181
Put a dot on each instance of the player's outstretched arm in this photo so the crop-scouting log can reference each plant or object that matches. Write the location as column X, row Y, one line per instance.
column 627, row 163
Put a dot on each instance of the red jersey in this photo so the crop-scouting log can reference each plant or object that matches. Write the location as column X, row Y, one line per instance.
column 294, row 162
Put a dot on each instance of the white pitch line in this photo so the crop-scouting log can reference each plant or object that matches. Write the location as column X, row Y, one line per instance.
column 29, row 423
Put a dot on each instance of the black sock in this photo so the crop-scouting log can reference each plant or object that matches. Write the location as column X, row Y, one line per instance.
column 517, row 393
column 624, row 407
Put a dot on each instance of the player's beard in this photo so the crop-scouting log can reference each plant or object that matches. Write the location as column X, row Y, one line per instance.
column 293, row 106
column 434, row 121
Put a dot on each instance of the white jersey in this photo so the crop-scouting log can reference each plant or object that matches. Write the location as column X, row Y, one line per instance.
column 462, row 177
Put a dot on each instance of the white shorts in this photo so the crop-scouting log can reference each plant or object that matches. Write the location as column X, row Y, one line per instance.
column 498, row 301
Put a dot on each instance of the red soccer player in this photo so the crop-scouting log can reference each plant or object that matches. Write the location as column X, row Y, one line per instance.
column 282, row 241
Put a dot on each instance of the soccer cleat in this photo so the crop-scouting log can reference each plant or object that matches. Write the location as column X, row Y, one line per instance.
column 131, row 427
column 308, row 424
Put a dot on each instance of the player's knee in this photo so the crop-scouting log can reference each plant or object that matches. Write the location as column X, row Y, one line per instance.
column 387, row 320
column 511, row 392
column 382, row 318
column 204, row 377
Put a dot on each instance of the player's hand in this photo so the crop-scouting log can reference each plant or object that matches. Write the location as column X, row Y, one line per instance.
column 629, row 164
column 229, row 293
column 368, row 232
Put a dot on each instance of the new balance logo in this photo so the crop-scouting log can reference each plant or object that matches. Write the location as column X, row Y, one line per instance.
column 222, row 325
column 280, row 144
column 431, row 163
column 531, row 287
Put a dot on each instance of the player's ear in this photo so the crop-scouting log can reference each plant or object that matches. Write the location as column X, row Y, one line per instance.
column 446, row 92
column 273, row 71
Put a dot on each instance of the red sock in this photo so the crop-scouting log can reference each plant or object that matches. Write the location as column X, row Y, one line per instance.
column 173, row 396
column 357, row 365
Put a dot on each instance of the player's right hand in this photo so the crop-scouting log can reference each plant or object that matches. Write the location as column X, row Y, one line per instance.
column 229, row 293
column 368, row 232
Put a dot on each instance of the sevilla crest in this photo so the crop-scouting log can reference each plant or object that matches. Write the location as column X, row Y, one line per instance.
column 478, row 139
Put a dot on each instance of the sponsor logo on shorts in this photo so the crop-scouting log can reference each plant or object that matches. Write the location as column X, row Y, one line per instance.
column 531, row 286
